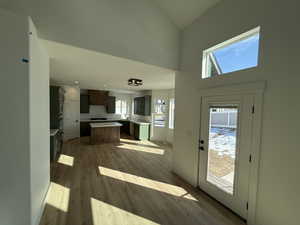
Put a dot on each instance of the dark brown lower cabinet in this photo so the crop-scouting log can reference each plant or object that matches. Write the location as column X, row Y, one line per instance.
column 100, row 135
column 141, row 131
column 125, row 128
column 85, row 129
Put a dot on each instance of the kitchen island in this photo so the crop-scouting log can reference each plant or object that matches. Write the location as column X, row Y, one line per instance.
column 105, row 132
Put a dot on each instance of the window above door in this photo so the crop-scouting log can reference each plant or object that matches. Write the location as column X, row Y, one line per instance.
column 238, row 53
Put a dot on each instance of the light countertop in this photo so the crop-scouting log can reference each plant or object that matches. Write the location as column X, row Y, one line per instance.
column 109, row 124
column 114, row 120
column 108, row 120
column 139, row 122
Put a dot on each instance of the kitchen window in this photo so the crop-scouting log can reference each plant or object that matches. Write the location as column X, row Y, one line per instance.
column 121, row 107
column 238, row 53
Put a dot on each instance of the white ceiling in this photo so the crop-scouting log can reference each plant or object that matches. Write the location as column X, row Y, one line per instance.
column 95, row 70
column 184, row 12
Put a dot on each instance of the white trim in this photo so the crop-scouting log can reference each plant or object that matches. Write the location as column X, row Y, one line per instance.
column 257, row 89
column 171, row 113
column 240, row 37
column 255, row 152
column 226, row 198
column 214, row 61
column 44, row 203
column 245, row 88
column 207, row 52
column 224, row 126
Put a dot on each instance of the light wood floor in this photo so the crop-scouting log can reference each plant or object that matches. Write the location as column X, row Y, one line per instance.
column 130, row 183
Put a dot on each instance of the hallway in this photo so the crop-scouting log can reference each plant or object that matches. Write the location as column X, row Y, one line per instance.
column 126, row 183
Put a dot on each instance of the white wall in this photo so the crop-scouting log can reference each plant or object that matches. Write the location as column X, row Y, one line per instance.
column 278, row 189
column 24, row 119
column 133, row 29
column 39, row 124
column 14, row 120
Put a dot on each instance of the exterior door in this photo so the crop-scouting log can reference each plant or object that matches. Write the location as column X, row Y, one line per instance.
column 225, row 145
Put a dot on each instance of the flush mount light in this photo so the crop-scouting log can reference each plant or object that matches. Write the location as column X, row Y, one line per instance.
column 76, row 82
column 135, row 82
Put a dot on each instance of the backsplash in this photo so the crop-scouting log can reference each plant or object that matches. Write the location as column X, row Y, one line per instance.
column 98, row 111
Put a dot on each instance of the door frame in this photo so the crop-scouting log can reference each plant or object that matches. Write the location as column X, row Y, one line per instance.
column 257, row 90
column 238, row 199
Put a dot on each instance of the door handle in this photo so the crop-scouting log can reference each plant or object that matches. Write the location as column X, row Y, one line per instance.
column 201, row 148
column 201, row 142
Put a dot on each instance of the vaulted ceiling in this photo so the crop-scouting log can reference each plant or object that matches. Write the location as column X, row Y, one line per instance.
column 105, row 42
column 184, row 12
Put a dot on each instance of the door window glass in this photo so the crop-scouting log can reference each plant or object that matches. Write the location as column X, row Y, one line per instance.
column 222, row 147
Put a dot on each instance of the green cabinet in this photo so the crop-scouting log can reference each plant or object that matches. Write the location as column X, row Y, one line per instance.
column 141, row 131
column 142, row 105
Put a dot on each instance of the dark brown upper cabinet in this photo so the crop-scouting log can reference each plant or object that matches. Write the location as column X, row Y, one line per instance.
column 98, row 97
column 111, row 104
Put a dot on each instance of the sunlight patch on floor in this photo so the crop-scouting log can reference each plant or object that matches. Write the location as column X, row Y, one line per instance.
column 66, row 160
column 140, row 142
column 142, row 149
column 58, row 196
column 147, row 183
column 106, row 214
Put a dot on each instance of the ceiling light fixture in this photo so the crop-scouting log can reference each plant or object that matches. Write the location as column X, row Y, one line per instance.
column 135, row 82
column 76, row 82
